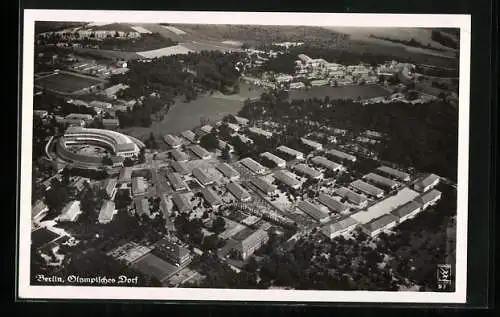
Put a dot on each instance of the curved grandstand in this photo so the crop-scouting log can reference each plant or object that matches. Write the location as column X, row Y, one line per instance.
column 87, row 147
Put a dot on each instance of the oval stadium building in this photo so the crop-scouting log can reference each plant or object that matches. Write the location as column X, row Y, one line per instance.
column 118, row 146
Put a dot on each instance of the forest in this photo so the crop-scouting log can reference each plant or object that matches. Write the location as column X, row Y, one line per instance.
column 424, row 137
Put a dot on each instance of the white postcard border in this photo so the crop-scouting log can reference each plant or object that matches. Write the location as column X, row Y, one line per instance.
column 27, row 291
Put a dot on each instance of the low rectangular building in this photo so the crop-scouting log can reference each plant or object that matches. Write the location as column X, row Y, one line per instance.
column 228, row 171
column 239, row 192
column 223, row 145
column 313, row 210
column 190, row 136
column 110, row 124
column 332, row 204
column 109, row 186
column 277, row 160
column 206, row 128
column 340, row 227
column 39, row 211
column 427, row 183
column 342, row 155
column 263, row 185
column 202, row 177
column 260, row 132
column 352, row 197
column 142, row 207
column 407, row 211
column 139, row 186
column 125, row 175
column 234, row 127
column 376, row 226
column 172, row 251
column 428, row 198
column 289, row 179
column 241, row 121
column 70, row 212
column 253, row 166
column 402, row 176
column 200, row 152
column 181, row 202
column 382, row 181
column 179, row 156
column 367, row 188
column 323, row 162
column 294, row 153
column 211, row 197
column 176, row 181
column 172, row 141
column 180, row 167
column 246, row 247
column 307, row 171
column 107, row 212
column 313, row 144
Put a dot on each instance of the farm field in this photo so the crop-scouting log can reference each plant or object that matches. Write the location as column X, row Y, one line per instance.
column 66, row 82
column 342, row 92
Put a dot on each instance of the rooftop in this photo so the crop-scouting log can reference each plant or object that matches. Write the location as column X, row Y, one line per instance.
column 238, row 191
column 287, row 178
column 342, row 155
column 227, row 170
column 210, row 196
column 322, row 161
column 380, row 222
column 367, row 188
column 263, row 185
column 313, row 210
column 304, row 169
column 394, row 172
column 331, row 203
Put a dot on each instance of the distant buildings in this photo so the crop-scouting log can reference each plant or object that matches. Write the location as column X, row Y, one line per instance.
column 307, row 171
column 228, row 171
column 339, row 228
column 200, row 152
column 251, row 243
column 179, row 167
column 77, row 119
column 202, row 177
column 107, row 212
column 380, row 180
column 377, row 225
column 176, row 181
column 394, row 173
column 332, row 204
column 206, row 128
column 70, row 212
column 234, row 127
column 314, row 211
column 323, row 162
column 426, row 183
column 139, row 186
column 241, row 121
column 223, row 145
column 315, row 145
column 354, row 198
column 289, row 179
column 294, row 153
column 367, row 188
column 239, row 192
column 342, row 155
column 266, row 187
column 253, row 166
column 277, row 160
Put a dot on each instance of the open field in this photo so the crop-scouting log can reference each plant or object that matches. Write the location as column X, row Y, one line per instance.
column 166, row 51
column 154, row 266
column 342, row 92
column 65, row 82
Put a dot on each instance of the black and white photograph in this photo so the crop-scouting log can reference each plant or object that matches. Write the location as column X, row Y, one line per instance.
column 244, row 156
